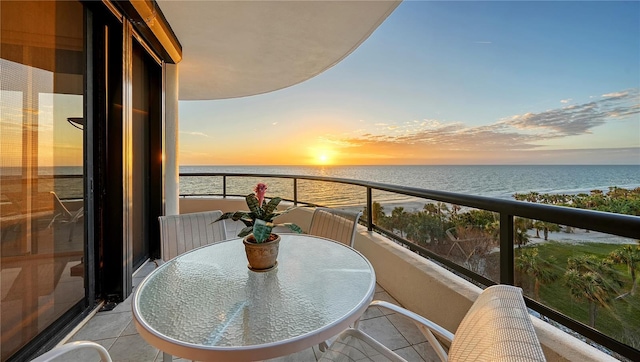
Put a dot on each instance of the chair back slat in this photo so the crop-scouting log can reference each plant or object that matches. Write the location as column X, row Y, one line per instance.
column 335, row 224
column 497, row 327
column 184, row 232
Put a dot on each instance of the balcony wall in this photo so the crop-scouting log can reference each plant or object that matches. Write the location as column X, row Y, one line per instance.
column 419, row 284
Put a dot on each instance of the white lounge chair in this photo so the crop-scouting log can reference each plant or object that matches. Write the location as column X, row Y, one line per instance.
column 334, row 224
column 181, row 233
column 62, row 215
column 497, row 327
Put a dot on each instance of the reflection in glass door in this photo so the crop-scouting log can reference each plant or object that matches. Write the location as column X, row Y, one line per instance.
column 42, row 238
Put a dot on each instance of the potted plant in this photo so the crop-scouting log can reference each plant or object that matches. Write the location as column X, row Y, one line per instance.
column 261, row 245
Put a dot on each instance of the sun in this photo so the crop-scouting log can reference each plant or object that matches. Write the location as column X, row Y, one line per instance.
column 323, row 158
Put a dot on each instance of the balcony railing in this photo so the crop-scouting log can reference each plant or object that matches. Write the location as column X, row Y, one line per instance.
column 291, row 187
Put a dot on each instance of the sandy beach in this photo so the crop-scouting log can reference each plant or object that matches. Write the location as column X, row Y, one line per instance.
column 579, row 236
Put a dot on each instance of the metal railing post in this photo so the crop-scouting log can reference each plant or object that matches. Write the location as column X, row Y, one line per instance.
column 369, row 210
column 295, row 191
column 506, row 249
column 224, row 186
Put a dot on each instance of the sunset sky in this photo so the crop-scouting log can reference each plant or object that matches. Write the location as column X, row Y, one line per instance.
column 486, row 82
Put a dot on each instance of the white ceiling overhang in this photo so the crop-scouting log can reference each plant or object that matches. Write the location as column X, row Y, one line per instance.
column 241, row 48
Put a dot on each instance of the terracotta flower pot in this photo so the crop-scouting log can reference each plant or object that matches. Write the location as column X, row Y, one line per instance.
column 263, row 256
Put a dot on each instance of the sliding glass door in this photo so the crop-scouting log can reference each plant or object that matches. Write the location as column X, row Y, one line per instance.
column 80, row 164
column 42, row 240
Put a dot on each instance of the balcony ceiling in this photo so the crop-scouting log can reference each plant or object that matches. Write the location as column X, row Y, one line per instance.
column 241, row 48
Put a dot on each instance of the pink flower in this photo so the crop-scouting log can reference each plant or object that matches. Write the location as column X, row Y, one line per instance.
column 260, row 190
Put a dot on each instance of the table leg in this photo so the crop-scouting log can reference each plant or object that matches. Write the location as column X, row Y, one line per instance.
column 166, row 357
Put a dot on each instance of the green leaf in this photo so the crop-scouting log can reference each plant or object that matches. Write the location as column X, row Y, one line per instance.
column 237, row 215
column 293, row 227
column 254, row 206
column 291, row 208
column 261, row 231
column 245, row 231
column 224, row 216
column 271, row 207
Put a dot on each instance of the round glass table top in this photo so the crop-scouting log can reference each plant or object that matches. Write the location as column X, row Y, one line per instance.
column 207, row 299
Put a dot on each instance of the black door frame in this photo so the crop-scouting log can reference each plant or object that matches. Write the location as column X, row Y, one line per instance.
column 114, row 259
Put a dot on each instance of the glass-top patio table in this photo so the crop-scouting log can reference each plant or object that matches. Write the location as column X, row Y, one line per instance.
column 207, row 305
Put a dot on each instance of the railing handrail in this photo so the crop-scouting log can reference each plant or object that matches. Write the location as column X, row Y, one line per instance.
column 606, row 222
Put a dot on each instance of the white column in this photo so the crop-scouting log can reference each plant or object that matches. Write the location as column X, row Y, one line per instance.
column 172, row 172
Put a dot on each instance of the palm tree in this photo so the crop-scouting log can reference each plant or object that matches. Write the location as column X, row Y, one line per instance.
column 424, row 228
column 442, row 209
column 377, row 212
column 431, row 208
column 593, row 280
column 521, row 225
column 399, row 219
column 493, row 229
column 545, row 227
column 530, row 197
column 538, row 225
column 629, row 255
column 530, row 263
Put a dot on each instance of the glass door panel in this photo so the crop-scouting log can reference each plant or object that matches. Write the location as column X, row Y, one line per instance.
column 42, row 237
column 146, row 91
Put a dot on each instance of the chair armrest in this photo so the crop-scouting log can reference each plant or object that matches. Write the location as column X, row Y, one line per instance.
column 66, row 348
column 434, row 327
column 428, row 328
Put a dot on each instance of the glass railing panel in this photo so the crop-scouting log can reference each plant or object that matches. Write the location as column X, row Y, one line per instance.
column 586, row 275
column 464, row 236
column 331, row 194
column 392, row 212
column 276, row 187
column 385, row 202
column 474, row 246
column 201, row 185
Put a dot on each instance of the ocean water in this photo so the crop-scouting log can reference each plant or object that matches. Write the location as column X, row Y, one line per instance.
column 493, row 181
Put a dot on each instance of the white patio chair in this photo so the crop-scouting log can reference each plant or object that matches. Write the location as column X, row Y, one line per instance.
column 181, row 233
column 62, row 215
column 74, row 346
column 334, row 224
column 497, row 327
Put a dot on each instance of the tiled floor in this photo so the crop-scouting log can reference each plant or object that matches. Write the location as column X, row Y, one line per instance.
column 114, row 330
